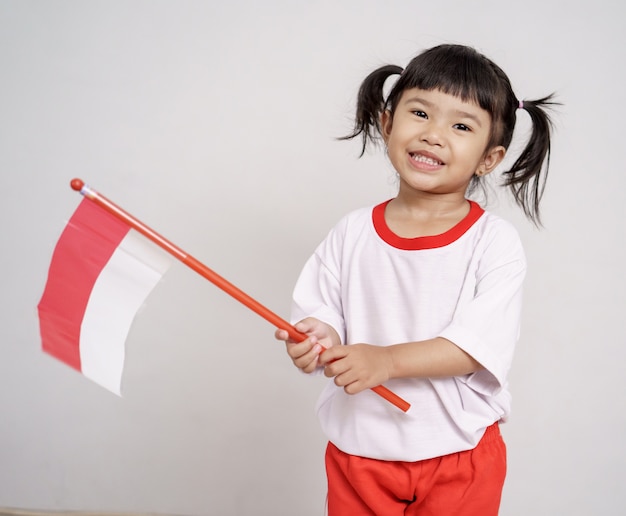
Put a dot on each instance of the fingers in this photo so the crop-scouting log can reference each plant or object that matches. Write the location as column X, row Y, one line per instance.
column 308, row 325
column 281, row 335
column 305, row 326
column 332, row 354
column 336, row 369
column 356, row 367
column 348, row 379
column 305, row 355
column 331, row 360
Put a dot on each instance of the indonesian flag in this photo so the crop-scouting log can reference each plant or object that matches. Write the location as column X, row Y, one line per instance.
column 100, row 275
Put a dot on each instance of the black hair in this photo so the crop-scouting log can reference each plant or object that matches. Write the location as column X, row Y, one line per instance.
column 465, row 73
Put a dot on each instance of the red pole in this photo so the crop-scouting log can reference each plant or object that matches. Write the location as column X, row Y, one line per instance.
column 212, row 276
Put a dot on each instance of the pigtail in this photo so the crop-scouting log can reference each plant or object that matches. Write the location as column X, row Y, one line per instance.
column 527, row 176
column 370, row 105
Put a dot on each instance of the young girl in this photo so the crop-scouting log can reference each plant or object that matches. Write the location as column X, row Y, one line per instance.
column 423, row 293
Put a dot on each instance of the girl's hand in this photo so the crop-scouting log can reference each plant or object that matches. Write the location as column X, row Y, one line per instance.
column 305, row 355
column 357, row 367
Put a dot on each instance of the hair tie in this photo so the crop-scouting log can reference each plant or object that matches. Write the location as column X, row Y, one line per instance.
column 521, row 104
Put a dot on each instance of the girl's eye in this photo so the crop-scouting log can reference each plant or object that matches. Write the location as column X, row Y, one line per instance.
column 462, row 127
column 420, row 113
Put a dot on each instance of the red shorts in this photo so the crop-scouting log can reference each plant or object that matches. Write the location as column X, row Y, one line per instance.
column 467, row 483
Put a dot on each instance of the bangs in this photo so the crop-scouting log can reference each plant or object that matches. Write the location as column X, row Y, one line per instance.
column 455, row 70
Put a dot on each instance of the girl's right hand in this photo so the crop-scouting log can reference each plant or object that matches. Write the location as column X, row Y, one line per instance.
column 305, row 354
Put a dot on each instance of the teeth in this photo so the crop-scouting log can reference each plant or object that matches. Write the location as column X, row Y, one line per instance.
column 425, row 159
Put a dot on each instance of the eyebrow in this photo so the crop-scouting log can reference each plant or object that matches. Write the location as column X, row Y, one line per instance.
column 458, row 112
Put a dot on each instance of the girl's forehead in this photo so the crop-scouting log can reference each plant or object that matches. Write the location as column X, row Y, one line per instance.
column 437, row 96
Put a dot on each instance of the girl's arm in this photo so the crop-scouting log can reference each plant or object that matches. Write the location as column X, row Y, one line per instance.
column 432, row 358
column 362, row 366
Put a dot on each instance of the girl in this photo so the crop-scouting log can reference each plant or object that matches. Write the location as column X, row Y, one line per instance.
column 423, row 293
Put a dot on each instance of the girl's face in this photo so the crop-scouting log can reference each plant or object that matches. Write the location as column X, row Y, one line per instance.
column 438, row 142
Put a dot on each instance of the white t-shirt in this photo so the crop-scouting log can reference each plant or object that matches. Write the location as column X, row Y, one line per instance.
column 377, row 288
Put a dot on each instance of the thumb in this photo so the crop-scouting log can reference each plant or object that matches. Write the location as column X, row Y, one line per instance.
column 306, row 325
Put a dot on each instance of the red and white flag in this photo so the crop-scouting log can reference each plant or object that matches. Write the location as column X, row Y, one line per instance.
column 100, row 275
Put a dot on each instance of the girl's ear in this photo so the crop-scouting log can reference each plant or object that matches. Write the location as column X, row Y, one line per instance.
column 386, row 121
column 492, row 159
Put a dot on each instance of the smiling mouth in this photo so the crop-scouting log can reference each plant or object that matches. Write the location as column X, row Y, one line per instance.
column 427, row 160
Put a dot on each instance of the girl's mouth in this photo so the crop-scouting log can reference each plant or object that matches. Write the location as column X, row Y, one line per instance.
column 425, row 159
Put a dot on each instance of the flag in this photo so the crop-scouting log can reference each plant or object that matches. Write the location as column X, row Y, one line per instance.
column 100, row 274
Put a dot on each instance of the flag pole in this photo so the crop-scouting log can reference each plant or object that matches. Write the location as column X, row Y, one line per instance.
column 212, row 276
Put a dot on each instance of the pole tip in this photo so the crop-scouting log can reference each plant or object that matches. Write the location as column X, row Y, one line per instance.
column 77, row 184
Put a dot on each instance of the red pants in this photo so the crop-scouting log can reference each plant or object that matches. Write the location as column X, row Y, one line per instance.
column 467, row 483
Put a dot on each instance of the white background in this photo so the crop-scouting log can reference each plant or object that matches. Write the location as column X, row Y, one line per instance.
column 215, row 123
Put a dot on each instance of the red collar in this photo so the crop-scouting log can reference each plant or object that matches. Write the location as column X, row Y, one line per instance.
column 425, row 242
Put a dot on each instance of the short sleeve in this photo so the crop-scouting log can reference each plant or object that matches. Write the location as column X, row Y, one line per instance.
column 486, row 324
column 318, row 290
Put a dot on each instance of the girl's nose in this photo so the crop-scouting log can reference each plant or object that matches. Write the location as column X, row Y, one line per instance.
column 433, row 135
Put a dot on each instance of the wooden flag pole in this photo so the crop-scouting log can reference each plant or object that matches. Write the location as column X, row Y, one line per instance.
column 212, row 276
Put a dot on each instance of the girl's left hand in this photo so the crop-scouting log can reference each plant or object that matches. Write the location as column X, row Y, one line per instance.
column 358, row 366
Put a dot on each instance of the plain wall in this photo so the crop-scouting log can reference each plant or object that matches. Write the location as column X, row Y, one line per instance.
column 215, row 123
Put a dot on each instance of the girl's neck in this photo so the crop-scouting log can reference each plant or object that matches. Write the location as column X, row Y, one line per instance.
column 425, row 215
